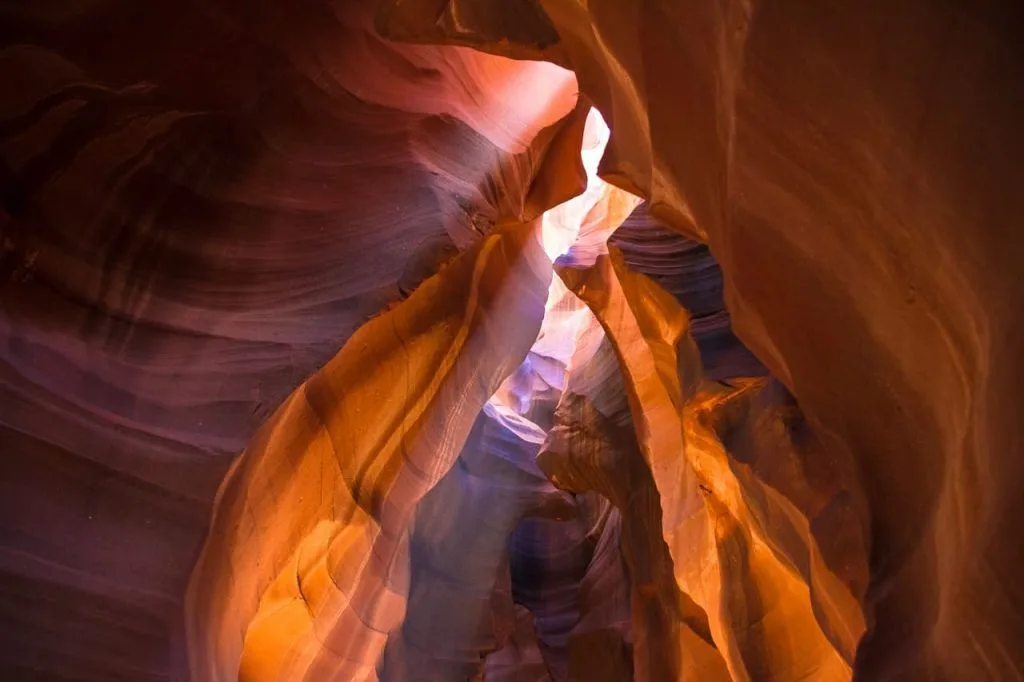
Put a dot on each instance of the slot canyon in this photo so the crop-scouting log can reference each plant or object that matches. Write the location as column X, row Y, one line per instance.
column 512, row 341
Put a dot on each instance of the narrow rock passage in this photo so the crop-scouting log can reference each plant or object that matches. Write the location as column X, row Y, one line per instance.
column 492, row 486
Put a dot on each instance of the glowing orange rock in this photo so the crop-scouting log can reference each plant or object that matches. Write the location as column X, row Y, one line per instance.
column 306, row 567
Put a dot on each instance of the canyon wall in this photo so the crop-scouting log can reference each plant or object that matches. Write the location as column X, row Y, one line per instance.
column 203, row 202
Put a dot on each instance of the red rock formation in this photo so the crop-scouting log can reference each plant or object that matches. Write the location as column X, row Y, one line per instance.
column 202, row 203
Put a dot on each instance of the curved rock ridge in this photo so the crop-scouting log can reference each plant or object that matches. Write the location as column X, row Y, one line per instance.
column 306, row 569
column 687, row 270
column 739, row 548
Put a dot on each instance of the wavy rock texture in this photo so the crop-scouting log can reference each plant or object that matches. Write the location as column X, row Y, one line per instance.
column 736, row 546
column 203, row 202
column 306, row 571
